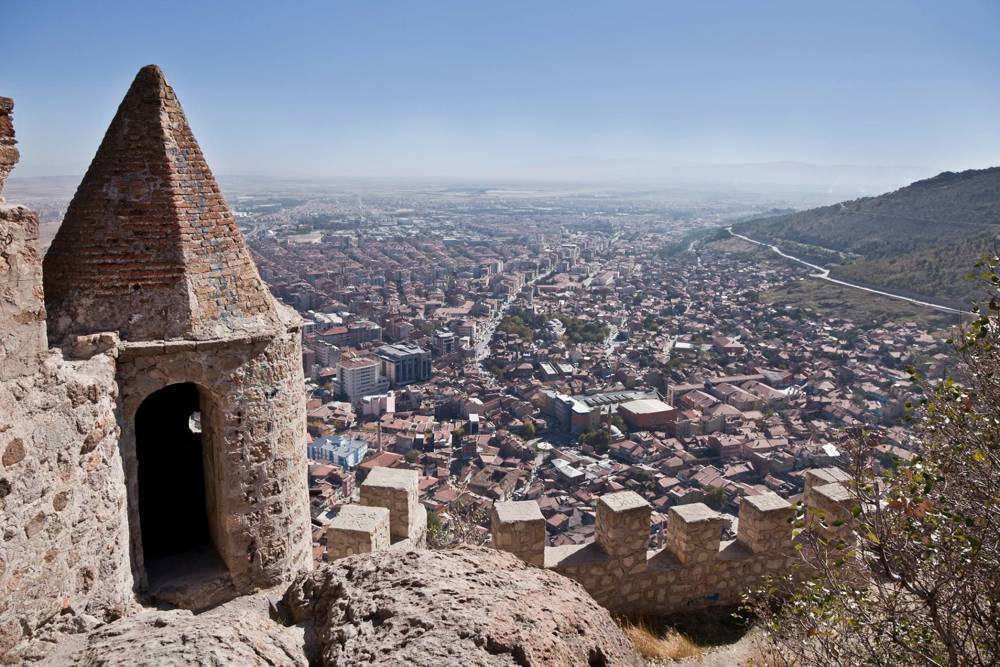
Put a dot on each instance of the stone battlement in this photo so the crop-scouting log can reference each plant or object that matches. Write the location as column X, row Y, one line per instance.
column 390, row 516
column 695, row 569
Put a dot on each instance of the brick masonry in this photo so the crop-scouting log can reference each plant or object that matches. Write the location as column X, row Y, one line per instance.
column 148, row 246
column 694, row 570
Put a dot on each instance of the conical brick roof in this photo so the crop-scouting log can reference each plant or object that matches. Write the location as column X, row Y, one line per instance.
column 149, row 246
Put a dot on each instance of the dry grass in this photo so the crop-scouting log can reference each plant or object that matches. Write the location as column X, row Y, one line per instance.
column 666, row 645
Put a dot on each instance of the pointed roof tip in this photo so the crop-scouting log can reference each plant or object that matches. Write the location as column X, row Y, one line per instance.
column 148, row 78
column 151, row 69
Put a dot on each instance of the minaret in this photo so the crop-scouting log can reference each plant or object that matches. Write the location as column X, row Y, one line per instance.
column 148, row 246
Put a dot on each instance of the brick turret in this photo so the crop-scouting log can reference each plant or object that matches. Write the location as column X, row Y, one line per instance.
column 148, row 246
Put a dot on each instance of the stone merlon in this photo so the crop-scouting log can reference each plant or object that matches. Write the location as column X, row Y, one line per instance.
column 695, row 569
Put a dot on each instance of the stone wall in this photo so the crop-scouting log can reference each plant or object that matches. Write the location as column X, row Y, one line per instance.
column 62, row 489
column 62, row 496
column 694, row 570
column 253, row 421
column 390, row 516
column 8, row 147
column 22, row 307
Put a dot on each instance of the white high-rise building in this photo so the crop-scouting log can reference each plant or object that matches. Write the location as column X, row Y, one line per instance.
column 359, row 376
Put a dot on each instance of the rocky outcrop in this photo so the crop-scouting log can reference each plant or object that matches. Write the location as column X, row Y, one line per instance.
column 467, row 606
column 238, row 633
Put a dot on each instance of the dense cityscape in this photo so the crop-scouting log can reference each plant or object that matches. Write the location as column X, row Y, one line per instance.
column 515, row 345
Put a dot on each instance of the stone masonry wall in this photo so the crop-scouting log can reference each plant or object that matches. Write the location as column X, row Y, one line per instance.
column 390, row 516
column 254, row 424
column 63, row 530
column 695, row 570
column 8, row 148
column 22, row 309
column 62, row 497
column 22, row 306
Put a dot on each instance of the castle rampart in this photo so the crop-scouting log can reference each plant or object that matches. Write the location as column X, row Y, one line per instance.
column 695, row 569
column 390, row 516
column 22, row 307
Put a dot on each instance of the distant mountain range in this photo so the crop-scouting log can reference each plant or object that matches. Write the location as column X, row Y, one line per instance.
column 923, row 239
column 829, row 181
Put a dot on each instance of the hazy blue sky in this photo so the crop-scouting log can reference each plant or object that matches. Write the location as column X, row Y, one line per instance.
column 483, row 88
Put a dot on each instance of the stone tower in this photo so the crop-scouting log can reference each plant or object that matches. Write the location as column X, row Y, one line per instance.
column 209, row 372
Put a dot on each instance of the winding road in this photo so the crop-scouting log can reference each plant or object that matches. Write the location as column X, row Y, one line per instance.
column 824, row 274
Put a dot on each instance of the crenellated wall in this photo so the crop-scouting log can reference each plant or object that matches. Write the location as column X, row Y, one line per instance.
column 695, row 569
column 390, row 516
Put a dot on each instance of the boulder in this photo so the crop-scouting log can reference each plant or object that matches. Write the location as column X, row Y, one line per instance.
column 241, row 632
column 467, row 606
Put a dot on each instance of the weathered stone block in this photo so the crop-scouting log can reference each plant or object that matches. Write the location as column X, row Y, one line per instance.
column 397, row 490
column 693, row 533
column 765, row 523
column 356, row 530
column 829, row 511
column 623, row 524
column 519, row 527
column 22, row 308
column 820, row 476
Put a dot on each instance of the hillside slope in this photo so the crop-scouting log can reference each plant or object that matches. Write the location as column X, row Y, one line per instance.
column 922, row 239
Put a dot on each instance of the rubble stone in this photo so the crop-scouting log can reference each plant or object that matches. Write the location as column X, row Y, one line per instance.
column 466, row 606
column 357, row 530
column 518, row 527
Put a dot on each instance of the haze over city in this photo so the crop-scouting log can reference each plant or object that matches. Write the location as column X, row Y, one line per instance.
column 521, row 333
column 868, row 94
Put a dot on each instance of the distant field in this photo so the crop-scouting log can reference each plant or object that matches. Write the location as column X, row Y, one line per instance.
column 862, row 308
column 735, row 246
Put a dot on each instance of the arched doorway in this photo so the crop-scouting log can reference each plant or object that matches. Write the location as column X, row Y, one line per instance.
column 176, row 490
column 172, row 511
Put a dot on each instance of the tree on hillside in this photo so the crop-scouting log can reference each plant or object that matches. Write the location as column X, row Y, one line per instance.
column 921, row 584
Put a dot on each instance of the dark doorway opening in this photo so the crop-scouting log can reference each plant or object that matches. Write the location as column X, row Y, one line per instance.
column 172, row 511
column 173, row 445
